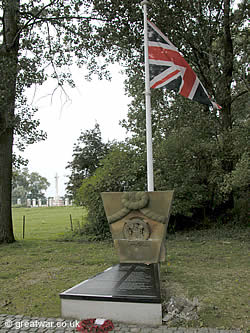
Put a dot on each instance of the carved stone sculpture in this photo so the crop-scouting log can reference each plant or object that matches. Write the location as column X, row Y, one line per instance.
column 138, row 223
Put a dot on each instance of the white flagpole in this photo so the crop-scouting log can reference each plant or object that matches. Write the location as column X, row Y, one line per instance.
column 150, row 173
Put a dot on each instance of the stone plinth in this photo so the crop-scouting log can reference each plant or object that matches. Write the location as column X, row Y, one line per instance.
column 127, row 293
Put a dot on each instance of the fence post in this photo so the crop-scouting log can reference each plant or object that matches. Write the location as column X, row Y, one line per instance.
column 23, row 226
column 71, row 224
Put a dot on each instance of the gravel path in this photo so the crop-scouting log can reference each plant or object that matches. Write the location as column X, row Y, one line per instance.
column 23, row 324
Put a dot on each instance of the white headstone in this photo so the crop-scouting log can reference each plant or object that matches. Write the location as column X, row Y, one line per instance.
column 28, row 202
column 33, row 202
column 39, row 202
column 19, row 201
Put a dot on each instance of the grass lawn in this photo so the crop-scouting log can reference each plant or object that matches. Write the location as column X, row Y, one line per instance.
column 45, row 222
column 211, row 265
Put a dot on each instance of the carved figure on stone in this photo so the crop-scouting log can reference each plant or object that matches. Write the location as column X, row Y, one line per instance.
column 136, row 228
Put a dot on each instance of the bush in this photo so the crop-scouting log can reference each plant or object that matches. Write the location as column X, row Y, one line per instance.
column 119, row 172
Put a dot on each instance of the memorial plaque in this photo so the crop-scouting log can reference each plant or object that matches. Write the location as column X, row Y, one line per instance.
column 142, row 251
column 122, row 283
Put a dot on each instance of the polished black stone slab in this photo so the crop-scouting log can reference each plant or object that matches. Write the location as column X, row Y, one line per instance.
column 121, row 283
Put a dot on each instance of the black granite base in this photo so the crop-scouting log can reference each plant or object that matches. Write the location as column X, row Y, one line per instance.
column 121, row 283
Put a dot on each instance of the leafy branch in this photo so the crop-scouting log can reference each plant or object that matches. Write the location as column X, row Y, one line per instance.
column 238, row 95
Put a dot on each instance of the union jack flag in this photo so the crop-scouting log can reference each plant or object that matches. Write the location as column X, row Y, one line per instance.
column 168, row 68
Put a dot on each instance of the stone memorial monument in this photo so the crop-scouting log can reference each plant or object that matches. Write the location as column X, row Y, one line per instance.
column 138, row 223
column 130, row 291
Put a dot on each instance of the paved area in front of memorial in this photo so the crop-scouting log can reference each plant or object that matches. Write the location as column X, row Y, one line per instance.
column 23, row 324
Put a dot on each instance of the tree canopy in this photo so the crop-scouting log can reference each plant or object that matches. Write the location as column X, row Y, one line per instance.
column 26, row 185
column 197, row 151
column 87, row 155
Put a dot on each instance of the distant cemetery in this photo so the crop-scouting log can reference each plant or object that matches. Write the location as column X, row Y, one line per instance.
column 41, row 200
column 48, row 202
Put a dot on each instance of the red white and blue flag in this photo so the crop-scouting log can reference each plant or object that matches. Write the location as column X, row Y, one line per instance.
column 168, row 68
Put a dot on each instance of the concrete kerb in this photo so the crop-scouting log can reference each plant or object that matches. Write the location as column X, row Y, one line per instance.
column 21, row 324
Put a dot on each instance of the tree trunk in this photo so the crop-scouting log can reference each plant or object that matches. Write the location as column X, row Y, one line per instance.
column 227, row 70
column 6, row 229
column 227, row 162
column 8, row 73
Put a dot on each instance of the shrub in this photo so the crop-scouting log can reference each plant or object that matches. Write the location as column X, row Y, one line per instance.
column 119, row 172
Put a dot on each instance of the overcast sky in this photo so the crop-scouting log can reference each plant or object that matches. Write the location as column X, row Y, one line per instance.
column 98, row 101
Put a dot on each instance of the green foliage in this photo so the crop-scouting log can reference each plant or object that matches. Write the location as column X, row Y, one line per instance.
column 121, row 170
column 26, row 126
column 187, row 160
column 238, row 182
column 197, row 150
column 77, row 232
column 188, row 157
column 239, row 179
column 87, row 155
column 27, row 185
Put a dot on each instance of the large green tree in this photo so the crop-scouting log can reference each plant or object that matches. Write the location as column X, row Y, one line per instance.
column 37, row 39
column 88, row 152
column 197, row 151
column 26, row 185
column 212, row 35
column 9, row 49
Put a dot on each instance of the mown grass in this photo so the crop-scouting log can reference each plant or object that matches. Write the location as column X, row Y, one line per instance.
column 211, row 265
column 45, row 222
column 34, row 272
